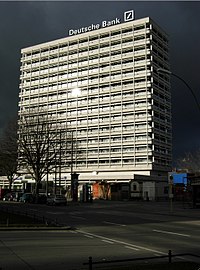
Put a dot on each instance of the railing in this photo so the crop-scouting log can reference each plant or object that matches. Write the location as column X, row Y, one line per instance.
column 90, row 262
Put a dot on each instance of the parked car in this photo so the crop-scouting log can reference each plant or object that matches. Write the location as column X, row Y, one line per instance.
column 17, row 196
column 27, row 198
column 3, row 191
column 56, row 200
column 9, row 196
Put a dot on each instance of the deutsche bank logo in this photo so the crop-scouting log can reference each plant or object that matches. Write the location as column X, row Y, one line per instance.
column 128, row 15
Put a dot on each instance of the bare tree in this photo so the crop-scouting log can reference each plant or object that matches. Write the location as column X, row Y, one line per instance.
column 41, row 146
column 8, row 152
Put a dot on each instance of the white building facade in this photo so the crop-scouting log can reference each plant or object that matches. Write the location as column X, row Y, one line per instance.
column 103, row 86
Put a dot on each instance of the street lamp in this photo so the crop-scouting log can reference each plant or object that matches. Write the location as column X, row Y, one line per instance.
column 165, row 71
column 168, row 72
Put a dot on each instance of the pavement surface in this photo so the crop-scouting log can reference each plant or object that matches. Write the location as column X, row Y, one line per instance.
column 105, row 230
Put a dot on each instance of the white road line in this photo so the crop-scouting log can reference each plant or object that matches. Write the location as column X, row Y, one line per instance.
column 167, row 232
column 113, row 223
column 107, row 241
column 121, row 242
column 89, row 236
column 131, row 247
column 73, row 232
column 78, row 217
column 55, row 213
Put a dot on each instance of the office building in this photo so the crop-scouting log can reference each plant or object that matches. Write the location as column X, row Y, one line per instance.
column 101, row 84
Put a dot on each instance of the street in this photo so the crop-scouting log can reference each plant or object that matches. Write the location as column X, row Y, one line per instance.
column 103, row 230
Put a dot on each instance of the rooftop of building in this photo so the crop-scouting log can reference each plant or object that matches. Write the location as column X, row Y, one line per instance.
column 91, row 33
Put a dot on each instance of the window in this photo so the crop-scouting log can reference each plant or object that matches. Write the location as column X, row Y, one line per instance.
column 126, row 30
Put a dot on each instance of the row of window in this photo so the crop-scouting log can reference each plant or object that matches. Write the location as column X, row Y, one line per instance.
column 70, row 106
column 91, row 37
column 64, row 66
column 54, row 101
column 84, row 71
column 99, row 45
column 91, row 73
column 110, row 88
column 137, row 161
column 119, row 150
column 74, row 81
column 84, row 82
column 94, row 61
column 75, row 62
column 110, row 129
column 87, row 104
column 106, row 66
column 99, row 49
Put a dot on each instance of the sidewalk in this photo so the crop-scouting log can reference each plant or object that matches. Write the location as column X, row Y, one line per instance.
column 177, row 208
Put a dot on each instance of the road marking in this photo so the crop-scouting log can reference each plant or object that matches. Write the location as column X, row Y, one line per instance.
column 73, row 232
column 55, row 213
column 89, row 236
column 107, row 241
column 131, row 247
column 121, row 242
column 78, row 217
column 113, row 223
column 167, row 232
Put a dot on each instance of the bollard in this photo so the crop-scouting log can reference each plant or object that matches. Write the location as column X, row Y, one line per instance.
column 90, row 263
column 170, row 256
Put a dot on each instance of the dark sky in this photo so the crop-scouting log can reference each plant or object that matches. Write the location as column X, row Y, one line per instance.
column 28, row 23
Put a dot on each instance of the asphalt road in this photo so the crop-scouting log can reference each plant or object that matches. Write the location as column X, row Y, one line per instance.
column 103, row 230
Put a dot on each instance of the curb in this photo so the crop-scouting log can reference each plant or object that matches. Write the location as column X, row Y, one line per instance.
column 64, row 228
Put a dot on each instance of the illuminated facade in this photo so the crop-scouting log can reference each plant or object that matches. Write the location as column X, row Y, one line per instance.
column 103, row 85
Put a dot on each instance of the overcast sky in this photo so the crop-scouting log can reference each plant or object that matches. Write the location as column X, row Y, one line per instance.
column 23, row 24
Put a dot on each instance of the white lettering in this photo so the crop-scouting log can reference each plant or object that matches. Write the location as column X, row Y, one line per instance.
column 109, row 23
column 71, row 32
column 117, row 20
column 94, row 27
column 104, row 24
column 97, row 26
column 84, row 29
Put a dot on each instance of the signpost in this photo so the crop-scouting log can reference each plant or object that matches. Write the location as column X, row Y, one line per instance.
column 171, row 195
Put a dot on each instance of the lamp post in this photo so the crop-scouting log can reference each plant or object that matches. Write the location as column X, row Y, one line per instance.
column 165, row 71
column 168, row 72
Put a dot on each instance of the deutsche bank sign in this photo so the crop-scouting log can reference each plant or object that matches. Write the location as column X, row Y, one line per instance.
column 128, row 16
